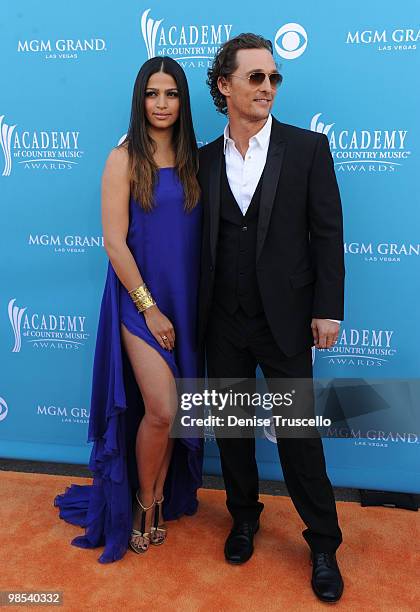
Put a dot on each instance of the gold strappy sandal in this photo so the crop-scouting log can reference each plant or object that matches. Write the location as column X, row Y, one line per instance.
column 158, row 532
column 140, row 539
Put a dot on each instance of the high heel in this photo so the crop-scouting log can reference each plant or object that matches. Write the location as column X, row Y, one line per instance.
column 140, row 539
column 158, row 532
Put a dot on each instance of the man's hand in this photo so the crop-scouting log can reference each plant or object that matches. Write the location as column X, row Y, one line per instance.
column 325, row 333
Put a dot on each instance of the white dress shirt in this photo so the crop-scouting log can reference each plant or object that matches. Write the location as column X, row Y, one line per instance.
column 244, row 174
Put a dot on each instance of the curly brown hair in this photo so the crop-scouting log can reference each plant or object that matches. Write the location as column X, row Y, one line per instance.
column 224, row 63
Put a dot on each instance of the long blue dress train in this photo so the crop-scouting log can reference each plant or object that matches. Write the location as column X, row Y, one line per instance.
column 165, row 244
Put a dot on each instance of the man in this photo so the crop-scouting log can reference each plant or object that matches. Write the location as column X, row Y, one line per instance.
column 272, row 284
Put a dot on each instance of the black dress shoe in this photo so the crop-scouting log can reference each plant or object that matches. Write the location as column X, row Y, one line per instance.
column 327, row 581
column 239, row 545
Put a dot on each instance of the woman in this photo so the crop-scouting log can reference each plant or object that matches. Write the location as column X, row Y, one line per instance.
column 147, row 327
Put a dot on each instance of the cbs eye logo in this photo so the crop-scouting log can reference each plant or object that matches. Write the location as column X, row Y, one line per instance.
column 291, row 40
column 3, row 409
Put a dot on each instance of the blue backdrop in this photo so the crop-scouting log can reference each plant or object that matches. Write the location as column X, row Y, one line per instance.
column 68, row 72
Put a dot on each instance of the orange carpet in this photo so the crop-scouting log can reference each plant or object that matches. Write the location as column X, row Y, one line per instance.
column 379, row 558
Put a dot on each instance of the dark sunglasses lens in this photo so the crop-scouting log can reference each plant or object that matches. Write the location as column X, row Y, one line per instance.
column 257, row 78
column 275, row 79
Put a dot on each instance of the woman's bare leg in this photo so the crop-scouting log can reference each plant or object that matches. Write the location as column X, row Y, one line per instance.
column 158, row 389
column 164, row 469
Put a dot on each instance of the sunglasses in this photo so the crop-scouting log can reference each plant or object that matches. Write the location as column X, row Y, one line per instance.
column 257, row 78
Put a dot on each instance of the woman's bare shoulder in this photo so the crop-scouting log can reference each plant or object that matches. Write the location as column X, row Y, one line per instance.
column 117, row 161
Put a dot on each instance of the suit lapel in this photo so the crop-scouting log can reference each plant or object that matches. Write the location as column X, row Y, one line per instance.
column 272, row 169
column 273, row 164
column 215, row 172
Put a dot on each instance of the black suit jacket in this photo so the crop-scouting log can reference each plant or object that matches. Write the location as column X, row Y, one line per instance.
column 299, row 254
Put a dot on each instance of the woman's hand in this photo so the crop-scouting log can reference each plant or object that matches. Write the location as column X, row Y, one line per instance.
column 160, row 326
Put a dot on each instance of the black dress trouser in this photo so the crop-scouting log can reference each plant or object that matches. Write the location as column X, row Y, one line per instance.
column 235, row 345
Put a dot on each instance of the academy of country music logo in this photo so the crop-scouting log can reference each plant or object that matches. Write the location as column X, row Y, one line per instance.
column 66, row 414
column 367, row 150
column 193, row 46
column 68, row 243
column 360, row 348
column 62, row 48
column 396, row 40
column 4, row 409
column 46, row 330
column 38, row 149
column 290, row 41
column 382, row 252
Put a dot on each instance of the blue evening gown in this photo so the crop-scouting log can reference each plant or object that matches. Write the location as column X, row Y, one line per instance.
column 166, row 246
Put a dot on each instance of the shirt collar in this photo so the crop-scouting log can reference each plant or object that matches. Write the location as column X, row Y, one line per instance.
column 262, row 138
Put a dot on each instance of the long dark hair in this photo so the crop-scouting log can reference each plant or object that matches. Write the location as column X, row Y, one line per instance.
column 141, row 146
